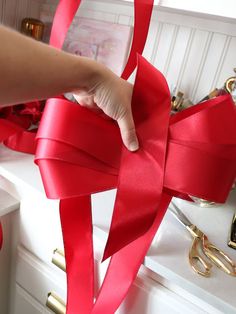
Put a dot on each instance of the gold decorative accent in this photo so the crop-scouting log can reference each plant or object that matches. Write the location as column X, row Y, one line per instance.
column 58, row 259
column 55, row 304
column 32, row 28
column 230, row 84
column 177, row 101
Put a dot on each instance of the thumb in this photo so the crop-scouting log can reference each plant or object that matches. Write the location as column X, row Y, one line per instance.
column 127, row 130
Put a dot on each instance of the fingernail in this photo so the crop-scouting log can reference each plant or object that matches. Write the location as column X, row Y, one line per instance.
column 133, row 146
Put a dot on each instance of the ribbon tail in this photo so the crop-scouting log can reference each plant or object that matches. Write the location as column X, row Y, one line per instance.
column 141, row 175
column 124, row 266
column 142, row 18
column 64, row 15
column 76, row 222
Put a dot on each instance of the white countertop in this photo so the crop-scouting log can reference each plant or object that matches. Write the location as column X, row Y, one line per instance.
column 168, row 255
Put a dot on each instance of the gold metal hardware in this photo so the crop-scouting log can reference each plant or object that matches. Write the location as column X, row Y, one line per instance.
column 177, row 101
column 55, row 304
column 229, row 84
column 58, row 259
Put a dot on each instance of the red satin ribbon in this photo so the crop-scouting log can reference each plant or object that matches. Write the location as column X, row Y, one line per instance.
column 73, row 162
column 82, row 154
column 83, row 304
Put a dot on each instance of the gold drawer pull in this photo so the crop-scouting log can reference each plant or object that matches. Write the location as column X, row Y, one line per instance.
column 55, row 304
column 58, row 259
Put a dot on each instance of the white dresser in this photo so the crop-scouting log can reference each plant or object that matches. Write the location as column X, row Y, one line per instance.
column 165, row 284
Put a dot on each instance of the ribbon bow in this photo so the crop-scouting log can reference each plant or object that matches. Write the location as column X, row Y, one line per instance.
column 193, row 152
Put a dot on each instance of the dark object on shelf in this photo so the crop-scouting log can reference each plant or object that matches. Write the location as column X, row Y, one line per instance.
column 232, row 236
column 179, row 103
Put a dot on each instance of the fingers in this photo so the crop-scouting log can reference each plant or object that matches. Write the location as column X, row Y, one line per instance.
column 127, row 130
column 84, row 99
column 88, row 102
column 107, row 101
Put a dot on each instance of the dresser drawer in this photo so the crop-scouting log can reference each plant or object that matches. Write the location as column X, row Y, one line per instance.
column 40, row 228
column 39, row 221
column 24, row 303
column 145, row 296
column 37, row 278
column 40, row 279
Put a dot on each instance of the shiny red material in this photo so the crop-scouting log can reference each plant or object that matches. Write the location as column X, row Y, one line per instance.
column 193, row 152
column 15, row 123
column 73, row 163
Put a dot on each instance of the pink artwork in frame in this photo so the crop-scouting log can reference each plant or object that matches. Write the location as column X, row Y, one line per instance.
column 106, row 42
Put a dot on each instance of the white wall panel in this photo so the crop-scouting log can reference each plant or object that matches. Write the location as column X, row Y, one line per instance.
column 34, row 8
column 2, row 5
column 9, row 13
column 212, row 63
column 194, row 62
column 178, row 55
column 152, row 42
column 13, row 11
column 21, row 12
column 228, row 60
column 167, row 36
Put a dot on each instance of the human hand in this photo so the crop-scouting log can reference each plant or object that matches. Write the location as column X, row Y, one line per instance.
column 112, row 95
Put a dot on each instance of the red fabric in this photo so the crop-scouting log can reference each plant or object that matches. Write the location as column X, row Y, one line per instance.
column 15, row 123
column 74, row 163
column 82, row 154
column 76, row 221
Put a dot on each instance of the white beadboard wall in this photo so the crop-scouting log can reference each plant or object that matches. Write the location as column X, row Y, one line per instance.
column 13, row 11
column 195, row 53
